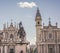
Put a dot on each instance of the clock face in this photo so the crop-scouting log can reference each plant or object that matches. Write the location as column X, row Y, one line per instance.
column 38, row 17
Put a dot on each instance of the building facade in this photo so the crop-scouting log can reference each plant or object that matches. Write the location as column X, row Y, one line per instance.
column 47, row 37
column 13, row 39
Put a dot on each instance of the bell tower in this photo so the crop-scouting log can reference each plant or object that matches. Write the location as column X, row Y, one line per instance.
column 38, row 21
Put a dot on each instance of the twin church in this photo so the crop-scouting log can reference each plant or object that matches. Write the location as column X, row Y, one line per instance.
column 47, row 37
column 13, row 39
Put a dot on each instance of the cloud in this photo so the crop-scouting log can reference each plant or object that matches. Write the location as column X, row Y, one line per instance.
column 26, row 4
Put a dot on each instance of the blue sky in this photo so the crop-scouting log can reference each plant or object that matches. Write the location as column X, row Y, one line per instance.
column 10, row 10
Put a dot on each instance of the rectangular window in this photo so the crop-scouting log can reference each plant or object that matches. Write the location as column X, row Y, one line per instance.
column 11, row 50
column 51, row 48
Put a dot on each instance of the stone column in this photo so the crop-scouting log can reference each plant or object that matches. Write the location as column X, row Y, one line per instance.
column 39, row 49
column 1, row 49
column 42, row 48
column 55, row 50
column 47, row 48
column 6, row 49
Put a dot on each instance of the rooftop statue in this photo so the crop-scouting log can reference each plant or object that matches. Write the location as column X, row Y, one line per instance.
column 21, row 31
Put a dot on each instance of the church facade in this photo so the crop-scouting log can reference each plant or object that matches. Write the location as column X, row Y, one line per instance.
column 13, row 39
column 47, row 37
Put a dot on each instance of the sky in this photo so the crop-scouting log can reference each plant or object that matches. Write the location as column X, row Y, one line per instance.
column 25, row 11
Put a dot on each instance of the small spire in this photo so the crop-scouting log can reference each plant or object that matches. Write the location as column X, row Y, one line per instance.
column 4, row 26
column 38, row 14
column 49, row 21
column 15, row 24
column 11, row 23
